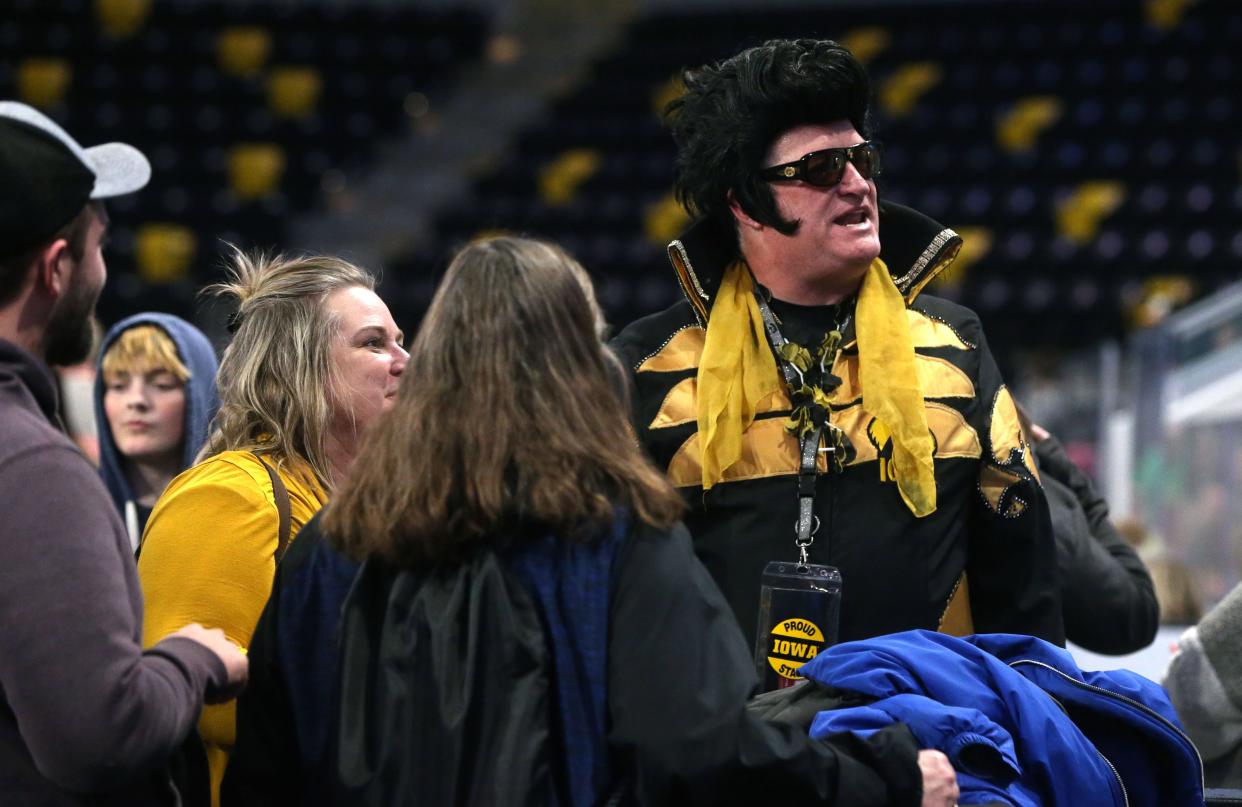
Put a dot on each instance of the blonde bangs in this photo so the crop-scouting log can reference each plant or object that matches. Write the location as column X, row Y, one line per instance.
column 142, row 349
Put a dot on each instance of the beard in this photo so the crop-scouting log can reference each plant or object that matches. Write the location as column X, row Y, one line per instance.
column 70, row 335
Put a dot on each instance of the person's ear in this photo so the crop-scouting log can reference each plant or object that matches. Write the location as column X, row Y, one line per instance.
column 740, row 216
column 54, row 267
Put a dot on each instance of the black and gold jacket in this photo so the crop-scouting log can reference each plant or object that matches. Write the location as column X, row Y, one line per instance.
column 984, row 561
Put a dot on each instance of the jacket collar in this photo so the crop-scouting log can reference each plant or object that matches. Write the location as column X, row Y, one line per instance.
column 915, row 248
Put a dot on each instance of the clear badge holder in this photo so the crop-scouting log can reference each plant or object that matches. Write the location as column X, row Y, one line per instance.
column 799, row 616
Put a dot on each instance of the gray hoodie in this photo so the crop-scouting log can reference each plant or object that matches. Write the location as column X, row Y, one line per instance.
column 86, row 716
column 1204, row 681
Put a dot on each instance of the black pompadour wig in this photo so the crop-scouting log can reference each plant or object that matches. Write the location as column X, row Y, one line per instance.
column 732, row 110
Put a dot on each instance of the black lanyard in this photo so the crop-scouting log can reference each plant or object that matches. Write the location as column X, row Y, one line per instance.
column 808, row 443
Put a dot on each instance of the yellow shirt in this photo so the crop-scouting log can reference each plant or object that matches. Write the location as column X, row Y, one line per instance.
column 208, row 556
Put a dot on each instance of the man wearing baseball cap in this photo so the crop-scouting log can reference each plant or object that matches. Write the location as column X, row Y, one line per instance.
column 86, row 716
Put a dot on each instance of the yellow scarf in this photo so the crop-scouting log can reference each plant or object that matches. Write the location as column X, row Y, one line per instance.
column 737, row 371
column 890, row 386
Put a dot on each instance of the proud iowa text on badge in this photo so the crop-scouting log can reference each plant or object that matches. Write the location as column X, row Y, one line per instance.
column 794, row 643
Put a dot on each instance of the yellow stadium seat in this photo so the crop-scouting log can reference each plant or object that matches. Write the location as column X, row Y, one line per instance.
column 504, row 49
column 1030, row 117
column 902, row 90
column 666, row 93
column 242, row 51
column 664, row 220
column 1159, row 296
column 560, row 179
column 293, row 92
column 43, row 82
column 866, row 43
column 1079, row 216
column 164, row 251
column 255, row 169
column 976, row 243
column 490, row 232
column 1166, row 14
column 122, row 18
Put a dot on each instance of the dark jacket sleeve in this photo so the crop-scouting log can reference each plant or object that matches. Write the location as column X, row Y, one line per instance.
column 94, row 710
column 264, row 766
column 622, row 378
column 1012, row 563
column 286, row 718
column 679, row 679
column 1109, row 601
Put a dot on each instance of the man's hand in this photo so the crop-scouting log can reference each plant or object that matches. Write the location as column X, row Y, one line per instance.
column 236, row 665
column 939, row 780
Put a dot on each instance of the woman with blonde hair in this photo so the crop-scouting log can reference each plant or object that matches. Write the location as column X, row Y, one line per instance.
column 315, row 357
column 530, row 624
column 155, row 394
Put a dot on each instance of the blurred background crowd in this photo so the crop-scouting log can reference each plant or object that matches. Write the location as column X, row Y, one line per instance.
column 1088, row 153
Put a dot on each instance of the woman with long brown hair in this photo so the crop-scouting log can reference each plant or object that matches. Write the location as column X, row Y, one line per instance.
column 530, row 624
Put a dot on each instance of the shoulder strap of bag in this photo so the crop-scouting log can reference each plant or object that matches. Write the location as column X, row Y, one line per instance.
column 281, row 494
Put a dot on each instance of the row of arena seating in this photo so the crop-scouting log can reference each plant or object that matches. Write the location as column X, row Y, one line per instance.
column 247, row 110
column 1087, row 151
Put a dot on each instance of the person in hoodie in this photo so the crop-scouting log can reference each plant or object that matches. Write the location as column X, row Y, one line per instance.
column 155, row 393
column 87, row 716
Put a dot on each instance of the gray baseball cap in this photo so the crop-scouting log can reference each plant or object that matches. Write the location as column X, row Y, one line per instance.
column 47, row 177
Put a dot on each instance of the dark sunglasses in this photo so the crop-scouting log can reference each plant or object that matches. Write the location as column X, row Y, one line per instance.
column 826, row 166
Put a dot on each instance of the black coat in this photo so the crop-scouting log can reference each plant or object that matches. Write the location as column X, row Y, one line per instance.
column 679, row 677
column 983, row 562
column 1108, row 599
